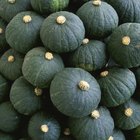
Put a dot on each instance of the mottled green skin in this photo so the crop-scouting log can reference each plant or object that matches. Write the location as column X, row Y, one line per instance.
column 39, row 119
column 91, row 56
column 4, row 136
column 8, row 10
column 117, row 87
column 11, row 70
column 23, row 97
column 68, row 98
column 3, row 44
column 38, row 70
column 24, row 36
column 126, row 56
column 49, row 6
column 128, row 10
column 124, row 122
column 99, row 21
column 118, row 135
column 10, row 119
column 65, row 37
column 4, row 88
column 88, row 128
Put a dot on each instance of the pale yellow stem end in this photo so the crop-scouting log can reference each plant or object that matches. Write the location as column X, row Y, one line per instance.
column 38, row 91
column 27, row 18
column 85, row 41
column 11, row 58
column 44, row 128
column 83, row 85
column 95, row 114
column 129, row 112
column 48, row 55
column 104, row 73
column 61, row 20
column 126, row 40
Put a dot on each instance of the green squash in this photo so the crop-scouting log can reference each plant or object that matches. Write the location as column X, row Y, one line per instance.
column 43, row 127
column 136, row 133
column 75, row 92
column 98, row 125
column 117, row 86
column 4, row 136
column 91, row 55
column 22, row 33
column 127, row 115
column 124, row 45
column 11, row 64
column 4, row 88
column 25, row 98
column 9, row 8
column 99, row 18
column 128, row 10
column 49, row 6
column 40, row 66
column 10, row 119
column 3, row 44
column 62, row 32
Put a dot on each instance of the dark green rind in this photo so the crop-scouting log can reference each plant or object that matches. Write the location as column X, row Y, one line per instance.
column 24, row 36
column 11, row 70
column 128, row 10
column 118, row 135
column 62, row 38
column 126, row 56
column 4, row 136
column 38, row 70
column 40, row 119
column 124, row 122
column 99, row 21
column 23, row 97
column 49, row 6
column 88, row 128
column 3, row 44
column 8, row 11
column 68, row 98
column 91, row 56
column 10, row 119
column 136, row 133
column 117, row 87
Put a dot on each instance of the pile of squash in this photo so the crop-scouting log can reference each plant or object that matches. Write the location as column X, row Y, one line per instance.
column 69, row 70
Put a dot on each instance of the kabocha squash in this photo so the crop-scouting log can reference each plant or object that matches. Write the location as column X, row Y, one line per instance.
column 3, row 43
column 40, row 66
column 127, row 115
column 124, row 45
column 98, row 125
column 49, row 6
column 11, row 64
column 117, row 86
column 10, row 119
column 62, row 32
column 43, row 127
column 9, row 8
column 4, row 136
column 22, row 33
column 4, row 88
column 128, row 10
column 91, row 55
column 99, row 18
column 75, row 92
column 25, row 98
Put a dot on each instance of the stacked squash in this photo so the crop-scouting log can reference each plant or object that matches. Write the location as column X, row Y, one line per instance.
column 69, row 70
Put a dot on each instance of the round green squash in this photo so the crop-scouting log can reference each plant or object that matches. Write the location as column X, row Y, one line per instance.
column 10, row 119
column 128, row 10
column 117, row 135
column 4, row 136
column 98, row 125
column 10, row 8
column 43, row 127
column 4, row 88
column 91, row 55
column 22, row 33
column 75, row 92
column 62, row 32
column 49, row 6
column 124, row 45
column 127, row 115
column 99, row 18
column 40, row 66
column 3, row 44
column 117, row 86
column 25, row 98
column 11, row 64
